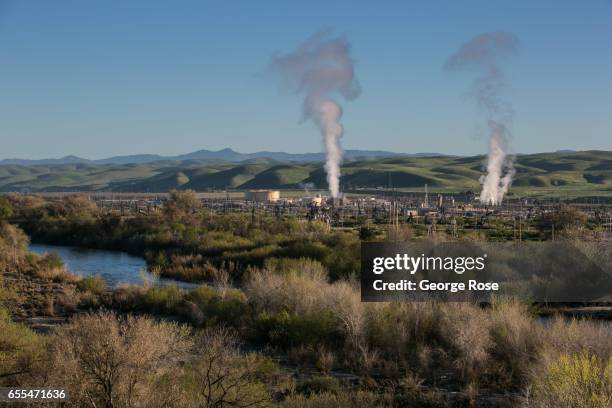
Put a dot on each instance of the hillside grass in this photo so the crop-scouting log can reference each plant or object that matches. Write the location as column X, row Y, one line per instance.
column 570, row 175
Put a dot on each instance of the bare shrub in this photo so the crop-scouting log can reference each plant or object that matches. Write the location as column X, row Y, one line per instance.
column 411, row 384
column 300, row 296
column 286, row 266
column 572, row 336
column 401, row 330
column 109, row 361
column 127, row 297
column 516, row 342
column 367, row 358
column 88, row 300
column 68, row 300
column 60, row 274
column 325, row 360
column 467, row 329
column 299, row 293
column 221, row 280
column 351, row 311
column 49, row 306
column 13, row 245
column 192, row 313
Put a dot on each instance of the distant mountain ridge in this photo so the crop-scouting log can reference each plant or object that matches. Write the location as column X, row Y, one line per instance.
column 226, row 154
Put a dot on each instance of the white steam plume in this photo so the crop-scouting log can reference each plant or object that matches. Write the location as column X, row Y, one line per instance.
column 320, row 69
column 484, row 52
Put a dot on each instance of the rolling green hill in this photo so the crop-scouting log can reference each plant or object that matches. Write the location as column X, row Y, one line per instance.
column 586, row 173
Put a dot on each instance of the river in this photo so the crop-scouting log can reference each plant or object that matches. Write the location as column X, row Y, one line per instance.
column 115, row 267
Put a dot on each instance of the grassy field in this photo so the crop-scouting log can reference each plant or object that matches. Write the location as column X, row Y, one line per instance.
column 565, row 175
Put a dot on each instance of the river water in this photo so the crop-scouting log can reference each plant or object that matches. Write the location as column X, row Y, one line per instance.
column 115, row 267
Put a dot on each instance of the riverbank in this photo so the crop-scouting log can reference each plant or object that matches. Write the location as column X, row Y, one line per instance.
column 117, row 268
column 37, row 302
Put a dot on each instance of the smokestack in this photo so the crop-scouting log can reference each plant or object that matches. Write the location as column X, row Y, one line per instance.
column 321, row 69
column 485, row 52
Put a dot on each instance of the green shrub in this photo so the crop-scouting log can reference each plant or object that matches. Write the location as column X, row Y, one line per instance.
column 253, row 256
column 161, row 300
column 319, row 384
column 21, row 350
column 94, row 284
column 127, row 298
column 88, row 300
column 286, row 329
column 285, row 266
column 343, row 259
column 305, row 249
column 228, row 306
column 359, row 399
column 367, row 233
column 578, row 381
column 202, row 295
column 51, row 261
column 6, row 210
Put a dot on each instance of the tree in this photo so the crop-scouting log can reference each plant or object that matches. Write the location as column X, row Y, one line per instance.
column 181, row 206
column 74, row 207
column 6, row 210
column 222, row 377
column 565, row 219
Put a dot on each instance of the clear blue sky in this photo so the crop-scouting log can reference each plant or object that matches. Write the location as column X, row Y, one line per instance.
column 102, row 78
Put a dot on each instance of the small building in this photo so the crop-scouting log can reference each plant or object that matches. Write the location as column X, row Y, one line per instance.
column 262, row 196
column 315, row 201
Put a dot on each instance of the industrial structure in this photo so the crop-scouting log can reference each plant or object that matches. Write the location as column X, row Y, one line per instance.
column 262, row 196
column 446, row 212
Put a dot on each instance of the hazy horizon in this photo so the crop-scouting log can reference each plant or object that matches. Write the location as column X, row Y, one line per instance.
column 97, row 80
column 93, row 158
column 271, row 150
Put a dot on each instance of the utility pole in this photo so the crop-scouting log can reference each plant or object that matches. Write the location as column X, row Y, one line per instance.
column 553, row 232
